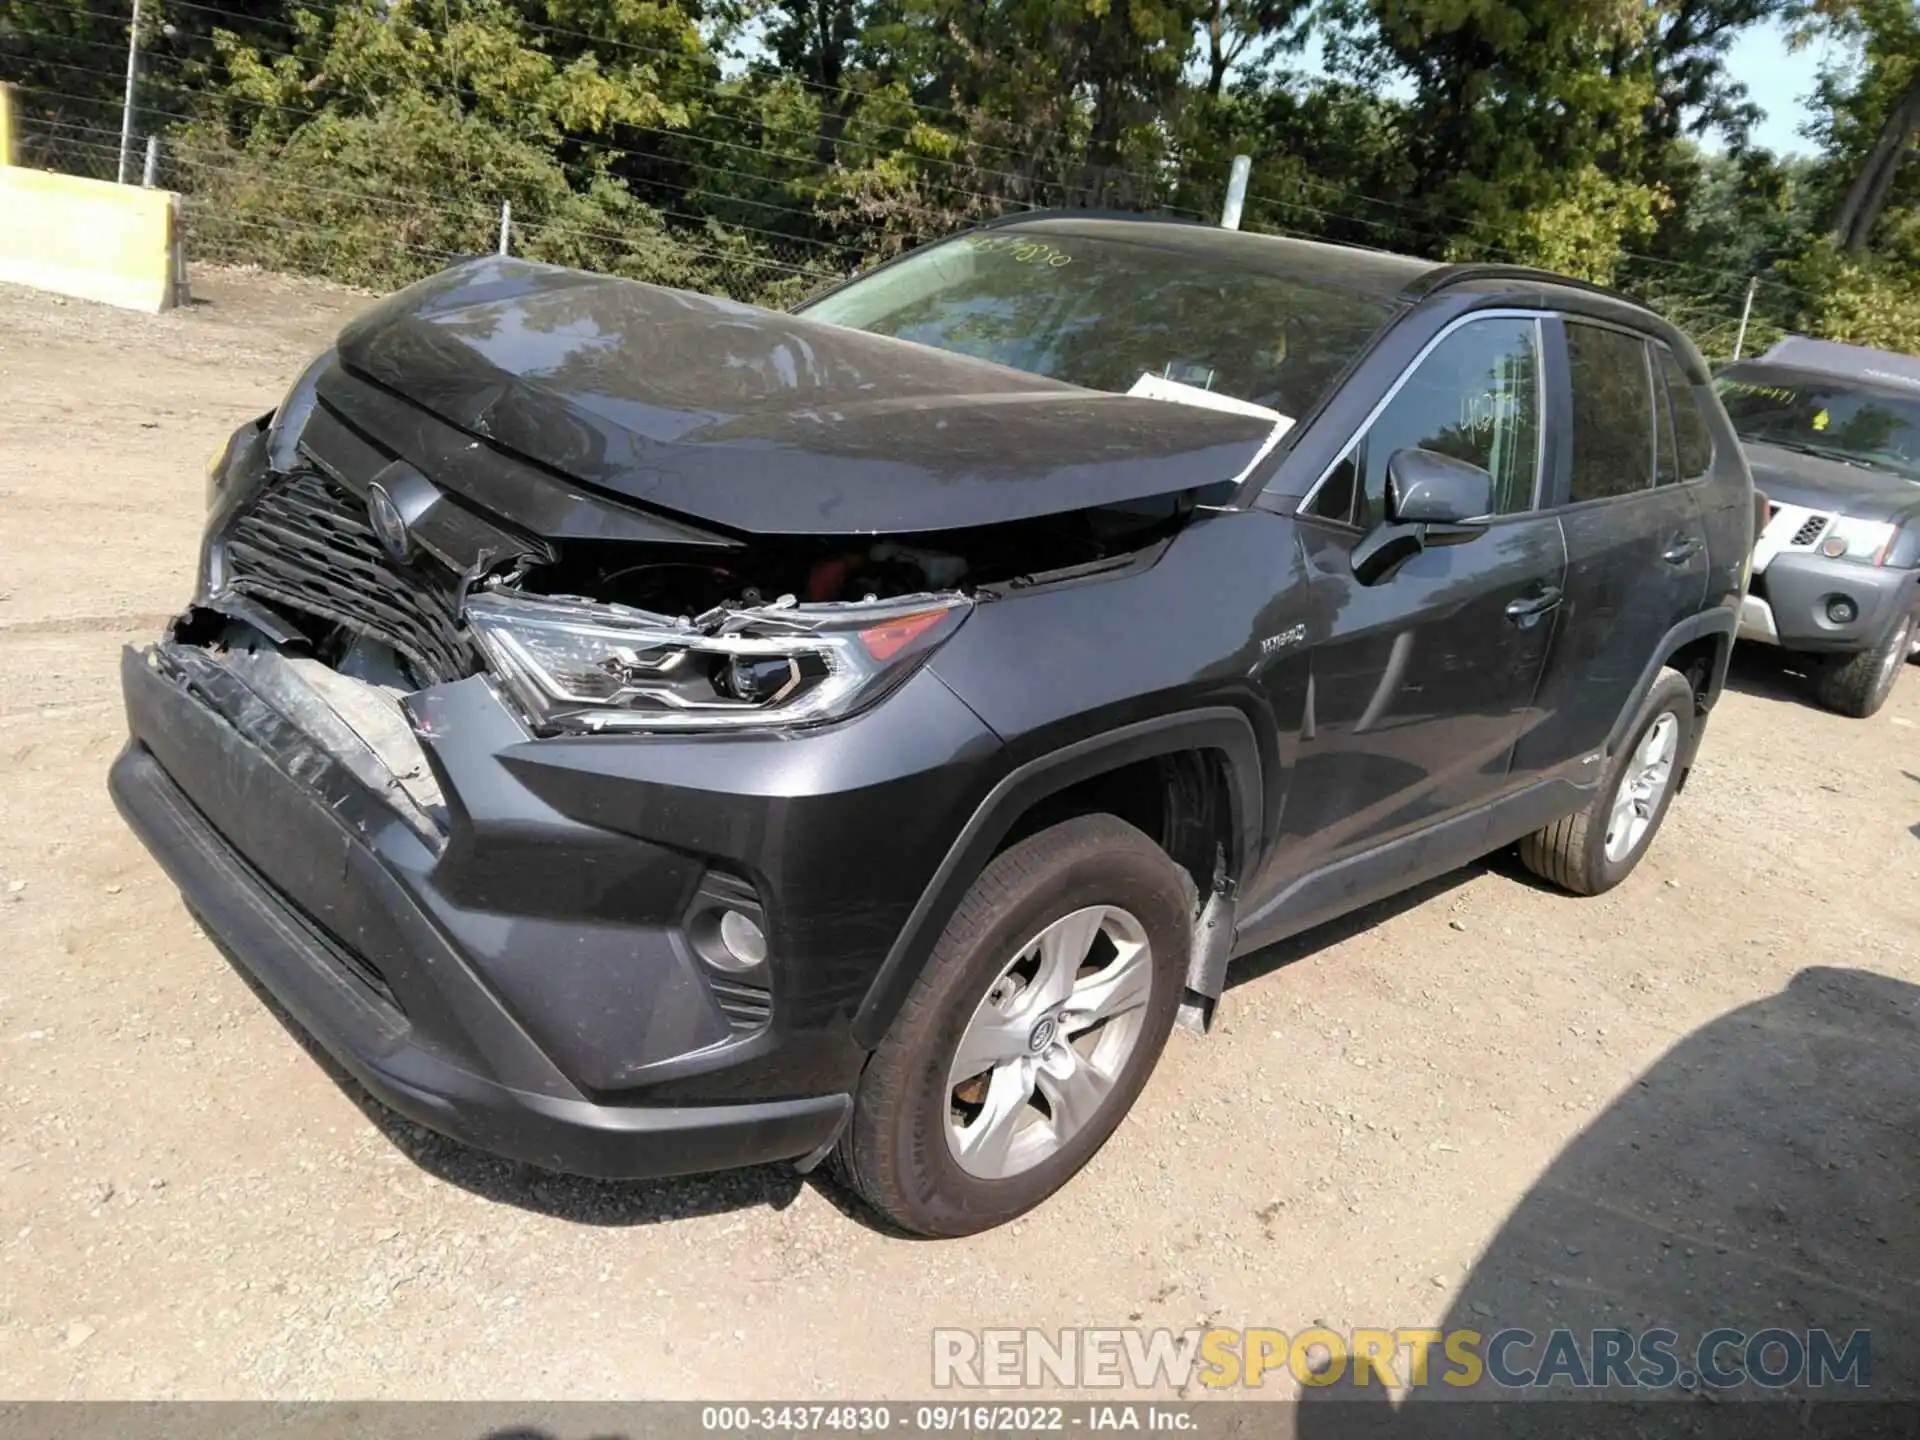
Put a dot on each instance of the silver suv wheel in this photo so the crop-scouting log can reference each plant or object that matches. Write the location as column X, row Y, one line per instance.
column 1038, row 1060
column 1642, row 784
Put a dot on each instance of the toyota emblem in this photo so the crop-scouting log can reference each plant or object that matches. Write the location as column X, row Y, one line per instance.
column 389, row 525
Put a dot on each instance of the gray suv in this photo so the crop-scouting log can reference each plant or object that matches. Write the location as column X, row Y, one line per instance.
column 1832, row 434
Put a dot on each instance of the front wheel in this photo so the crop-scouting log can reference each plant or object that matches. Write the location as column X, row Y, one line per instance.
column 1029, row 1034
column 1859, row 684
column 1596, row 848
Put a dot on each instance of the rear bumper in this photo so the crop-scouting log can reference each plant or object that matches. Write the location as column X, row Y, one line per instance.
column 525, row 982
column 1788, row 603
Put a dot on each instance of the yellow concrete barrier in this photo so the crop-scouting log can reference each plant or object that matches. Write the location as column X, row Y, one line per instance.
column 89, row 238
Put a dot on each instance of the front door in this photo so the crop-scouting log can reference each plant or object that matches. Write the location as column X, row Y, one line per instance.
column 1636, row 549
column 1418, row 679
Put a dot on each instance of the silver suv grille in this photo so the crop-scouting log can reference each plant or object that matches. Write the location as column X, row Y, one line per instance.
column 1810, row 530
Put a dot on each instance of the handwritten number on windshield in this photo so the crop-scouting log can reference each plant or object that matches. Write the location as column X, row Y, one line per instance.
column 1021, row 249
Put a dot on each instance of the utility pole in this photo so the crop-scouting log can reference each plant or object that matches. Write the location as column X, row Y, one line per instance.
column 506, row 224
column 1746, row 312
column 1236, row 192
column 126, row 108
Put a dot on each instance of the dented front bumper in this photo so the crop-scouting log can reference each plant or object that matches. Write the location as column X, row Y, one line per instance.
column 518, row 973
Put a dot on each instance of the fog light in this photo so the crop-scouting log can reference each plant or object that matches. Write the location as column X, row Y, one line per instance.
column 1834, row 546
column 1841, row 610
column 744, row 942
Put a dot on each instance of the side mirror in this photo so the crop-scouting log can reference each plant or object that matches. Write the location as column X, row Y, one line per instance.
column 1427, row 488
column 1432, row 499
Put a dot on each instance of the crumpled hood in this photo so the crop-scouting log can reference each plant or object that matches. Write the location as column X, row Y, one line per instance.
column 1790, row 477
column 767, row 422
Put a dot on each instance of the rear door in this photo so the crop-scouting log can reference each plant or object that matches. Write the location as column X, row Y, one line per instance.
column 1418, row 680
column 1636, row 544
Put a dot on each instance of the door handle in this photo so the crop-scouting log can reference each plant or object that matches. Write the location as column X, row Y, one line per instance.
column 1683, row 549
column 1529, row 608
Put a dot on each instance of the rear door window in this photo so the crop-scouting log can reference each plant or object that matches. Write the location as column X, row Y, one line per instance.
column 1614, row 440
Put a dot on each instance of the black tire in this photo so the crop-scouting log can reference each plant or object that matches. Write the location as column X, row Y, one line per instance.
column 895, row 1152
column 1859, row 684
column 1572, row 853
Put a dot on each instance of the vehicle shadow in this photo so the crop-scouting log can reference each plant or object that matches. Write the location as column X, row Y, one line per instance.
column 1768, row 673
column 1913, row 829
column 578, row 1199
column 1763, row 1174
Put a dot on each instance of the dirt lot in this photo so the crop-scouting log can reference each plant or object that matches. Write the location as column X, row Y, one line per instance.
column 1485, row 1101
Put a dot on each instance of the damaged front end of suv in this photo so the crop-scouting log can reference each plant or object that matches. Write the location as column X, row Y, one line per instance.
column 552, row 730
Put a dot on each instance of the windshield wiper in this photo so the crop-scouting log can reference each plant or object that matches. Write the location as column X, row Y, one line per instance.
column 1823, row 452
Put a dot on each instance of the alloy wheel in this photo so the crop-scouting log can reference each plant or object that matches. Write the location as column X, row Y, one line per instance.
column 1047, row 1043
column 1642, row 785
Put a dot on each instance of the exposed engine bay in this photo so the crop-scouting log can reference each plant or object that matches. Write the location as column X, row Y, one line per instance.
column 596, row 636
column 828, row 569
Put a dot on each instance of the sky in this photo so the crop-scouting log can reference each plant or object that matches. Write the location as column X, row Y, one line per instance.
column 1778, row 80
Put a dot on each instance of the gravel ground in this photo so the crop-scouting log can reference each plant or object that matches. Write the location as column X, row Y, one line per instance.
column 1472, row 1100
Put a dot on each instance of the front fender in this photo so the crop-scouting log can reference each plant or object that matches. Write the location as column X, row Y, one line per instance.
column 1218, row 728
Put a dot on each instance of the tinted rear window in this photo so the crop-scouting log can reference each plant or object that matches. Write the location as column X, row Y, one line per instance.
column 1613, row 433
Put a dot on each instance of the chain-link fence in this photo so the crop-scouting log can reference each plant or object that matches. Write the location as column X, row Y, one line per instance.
column 240, row 210
column 72, row 148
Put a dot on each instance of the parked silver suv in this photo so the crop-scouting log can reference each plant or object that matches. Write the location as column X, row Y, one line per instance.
column 1832, row 433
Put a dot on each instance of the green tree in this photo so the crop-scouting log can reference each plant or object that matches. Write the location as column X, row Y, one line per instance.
column 1249, row 30
column 1868, row 104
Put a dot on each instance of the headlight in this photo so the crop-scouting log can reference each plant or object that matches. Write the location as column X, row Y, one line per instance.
column 1867, row 540
column 283, row 435
column 577, row 666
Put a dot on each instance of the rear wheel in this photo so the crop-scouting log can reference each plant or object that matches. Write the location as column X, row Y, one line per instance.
column 1029, row 1034
column 1859, row 684
column 1596, row 848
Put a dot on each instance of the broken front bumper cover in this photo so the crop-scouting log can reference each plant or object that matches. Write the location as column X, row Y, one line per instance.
column 221, row 809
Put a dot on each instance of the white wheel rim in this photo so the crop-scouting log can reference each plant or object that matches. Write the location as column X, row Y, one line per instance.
column 1046, row 1044
column 1642, row 785
column 1898, row 652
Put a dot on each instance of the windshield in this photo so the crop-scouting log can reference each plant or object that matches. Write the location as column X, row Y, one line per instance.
column 1825, row 417
column 1120, row 315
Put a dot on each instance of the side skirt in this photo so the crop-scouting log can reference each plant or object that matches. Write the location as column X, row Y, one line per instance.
column 1347, row 884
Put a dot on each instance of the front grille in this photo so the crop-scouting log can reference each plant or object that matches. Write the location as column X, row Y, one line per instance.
column 305, row 545
column 1809, row 530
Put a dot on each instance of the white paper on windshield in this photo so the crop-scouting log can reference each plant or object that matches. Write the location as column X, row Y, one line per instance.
column 1158, row 387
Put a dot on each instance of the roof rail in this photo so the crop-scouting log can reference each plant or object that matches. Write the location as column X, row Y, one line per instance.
column 1086, row 213
column 1442, row 276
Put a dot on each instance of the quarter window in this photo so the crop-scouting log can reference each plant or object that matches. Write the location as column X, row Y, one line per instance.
column 1669, row 456
column 1613, row 429
column 1475, row 397
column 1693, row 442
